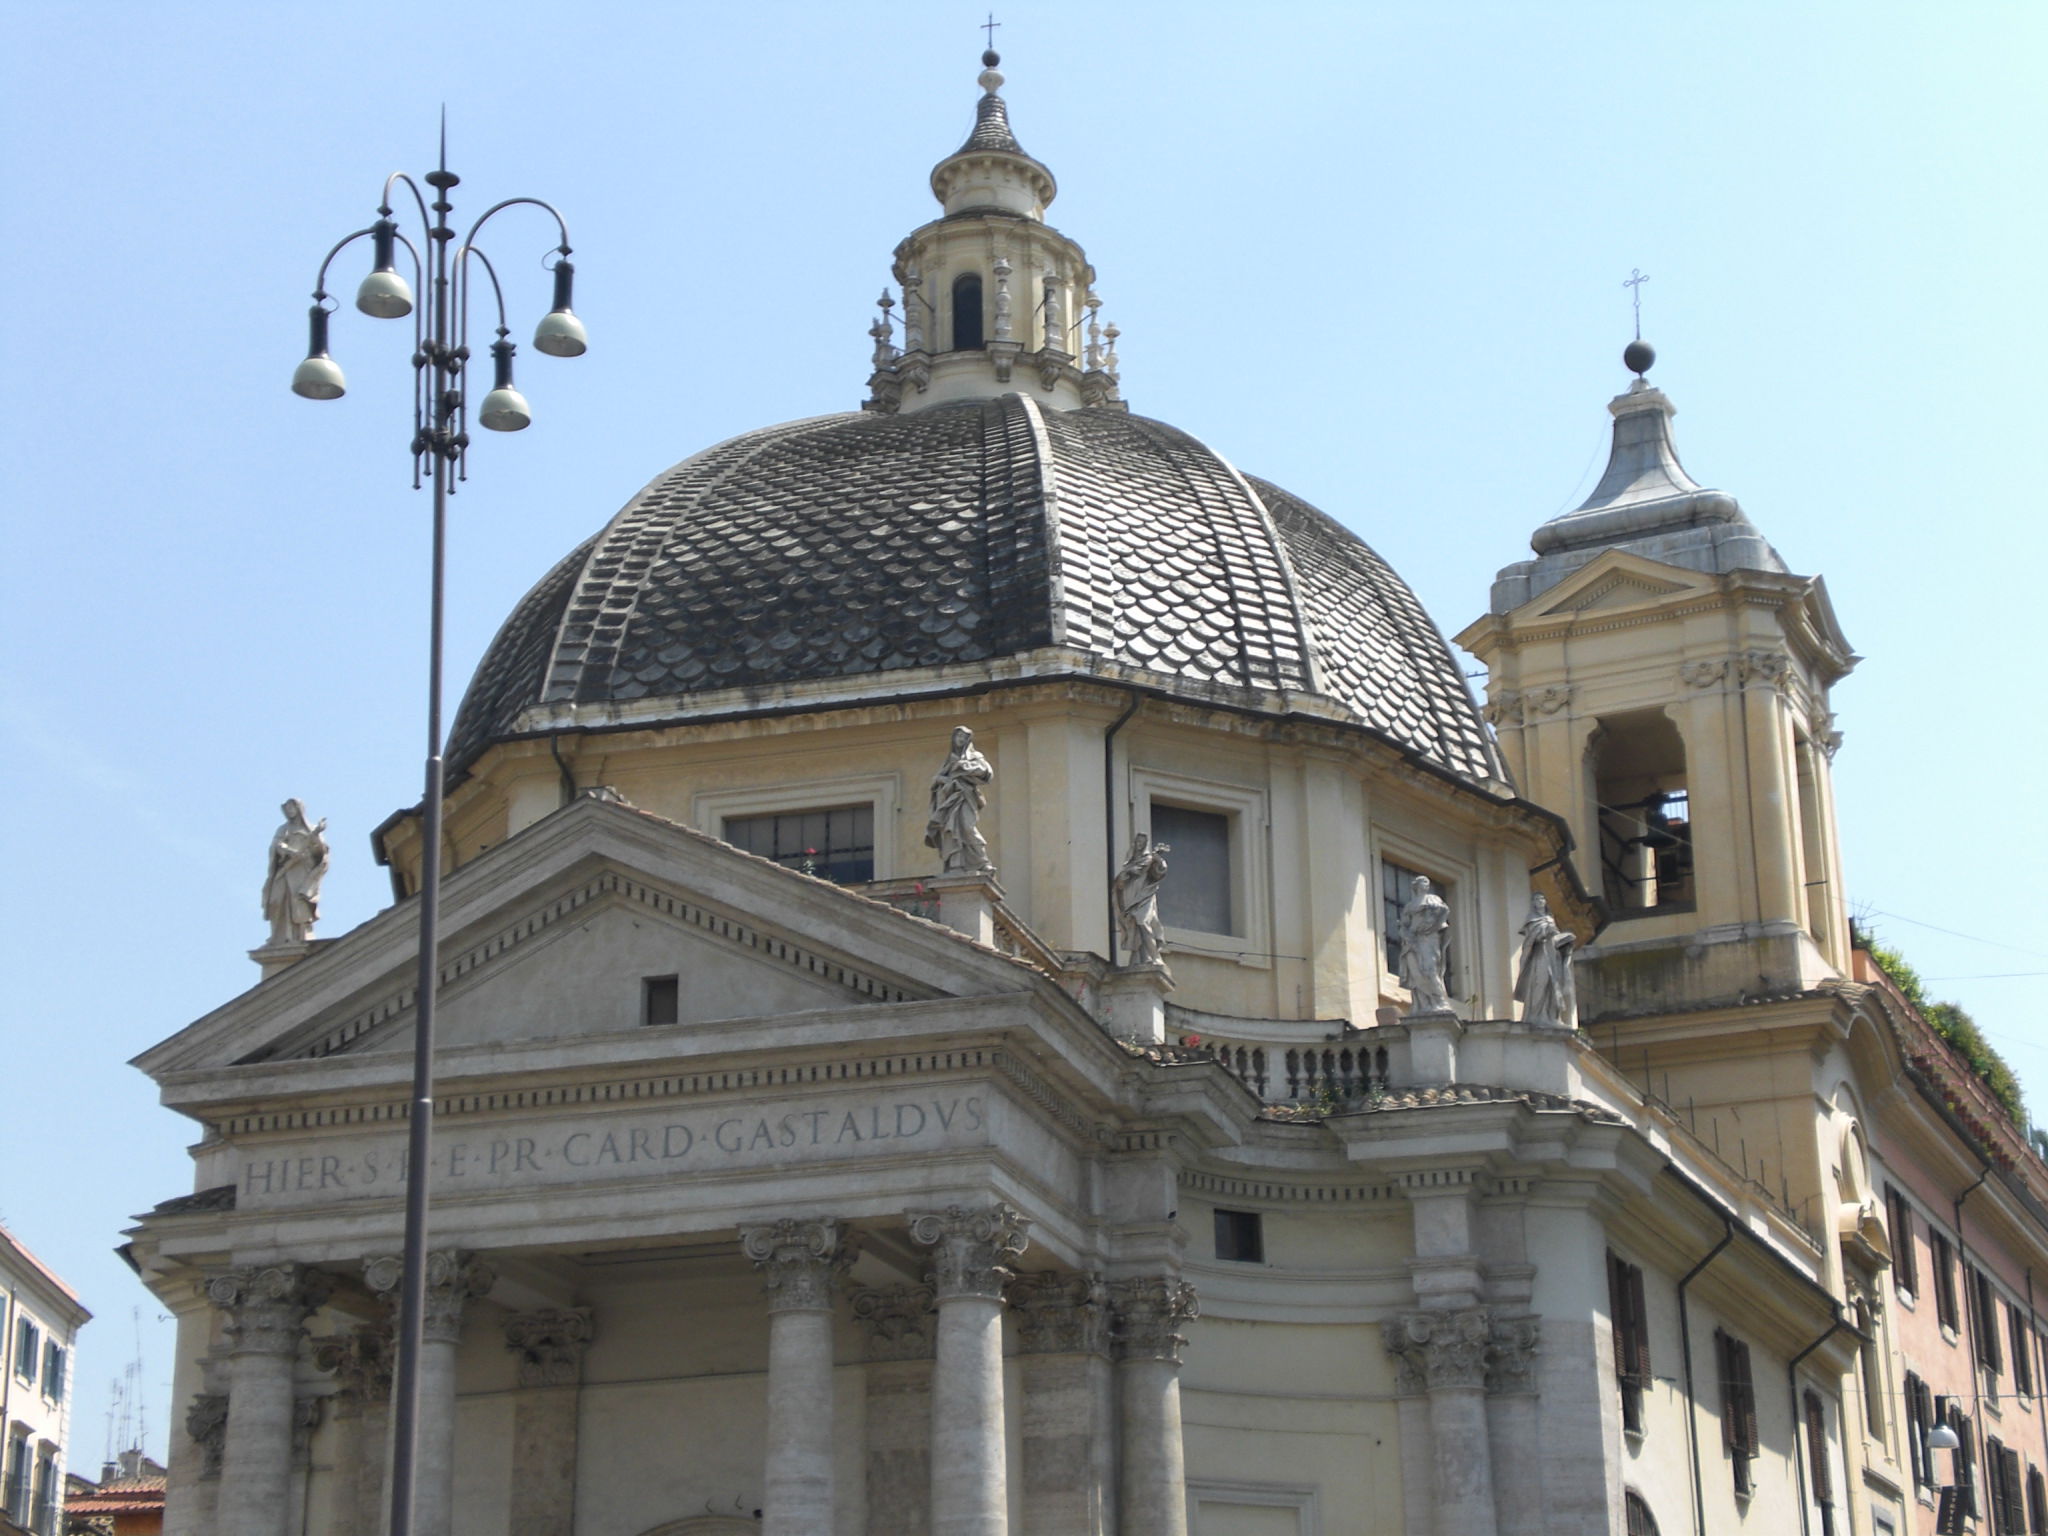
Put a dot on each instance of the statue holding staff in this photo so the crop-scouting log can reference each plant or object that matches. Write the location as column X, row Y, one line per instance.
column 957, row 801
column 298, row 863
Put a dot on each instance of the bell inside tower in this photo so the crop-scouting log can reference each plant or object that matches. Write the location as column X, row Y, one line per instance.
column 1639, row 786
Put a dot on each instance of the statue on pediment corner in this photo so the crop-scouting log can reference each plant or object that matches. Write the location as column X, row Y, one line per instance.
column 298, row 863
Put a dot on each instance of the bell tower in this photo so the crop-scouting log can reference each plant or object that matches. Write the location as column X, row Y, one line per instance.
column 1657, row 675
column 995, row 300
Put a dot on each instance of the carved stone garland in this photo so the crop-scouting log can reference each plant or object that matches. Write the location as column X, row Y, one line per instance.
column 800, row 1261
column 971, row 1248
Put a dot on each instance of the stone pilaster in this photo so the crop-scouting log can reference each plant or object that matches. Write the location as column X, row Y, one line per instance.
column 266, row 1307
column 454, row 1279
column 1149, row 1313
column 361, row 1361
column 1444, row 1353
column 971, row 1250
column 899, row 1325
column 549, row 1346
column 1068, row 1461
column 1514, row 1430
column 801, row 1262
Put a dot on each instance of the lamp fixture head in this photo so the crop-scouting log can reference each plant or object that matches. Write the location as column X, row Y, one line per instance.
column 504, row 409
column 1942, row 1438
column 384, row 295
column 560, row 333
column 319, row 376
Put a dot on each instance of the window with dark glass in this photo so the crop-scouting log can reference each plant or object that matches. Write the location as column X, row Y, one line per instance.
column 661, row 999
column 54, row 1362
column 1645, row 814
column 1397, row 888
column 2022, row 1359
column 1197, row 894
column 1905, row 1258
column 1919, row 1424
column 14, row 1497
column 1630, row 1322
column 967, row 332
column 836, row 844
column 1738, row 1407
column 1640, row 1522
column 28, row 1343
column 1983, row 1300
column 1240, row 1237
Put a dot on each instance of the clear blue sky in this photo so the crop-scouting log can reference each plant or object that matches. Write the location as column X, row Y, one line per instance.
column 1372, row 252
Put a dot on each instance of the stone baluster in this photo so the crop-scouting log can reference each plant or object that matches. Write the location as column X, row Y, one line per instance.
column 1148, row 1314
column 454, row 1279
column 1444, row 1352
column 267, row 1307
column 800, row 1262
column 361, row 1361
column 1068, row 1464
column 970, row 1494
column 549, row 1346
column 899, row 1323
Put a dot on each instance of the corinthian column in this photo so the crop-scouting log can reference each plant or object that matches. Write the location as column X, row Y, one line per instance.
column 970, row 1495
column 1446, row 1351
column 550, row 1348
column 361, row 1362
column 453, row 1280
column 1068, row 1463
column 800, row 1262
column 1154, row 1485
column 899, row 1323
column 267, row 1307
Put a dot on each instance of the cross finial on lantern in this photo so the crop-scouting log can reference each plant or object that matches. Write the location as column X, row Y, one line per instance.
column 1634, row 283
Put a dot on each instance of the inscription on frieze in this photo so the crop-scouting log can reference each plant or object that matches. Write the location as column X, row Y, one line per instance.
column 642, row 1144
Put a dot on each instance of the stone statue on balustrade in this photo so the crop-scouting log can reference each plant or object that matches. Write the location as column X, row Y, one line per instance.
column 1135, row 894
column 1425, row 935
column 957, row 803
column 1543, row 979
column 298, row 863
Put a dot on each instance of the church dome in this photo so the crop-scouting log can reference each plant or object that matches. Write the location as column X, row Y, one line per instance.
column 873, row 555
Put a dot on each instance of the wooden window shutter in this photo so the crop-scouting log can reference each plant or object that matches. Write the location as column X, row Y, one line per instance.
column 1817, row 1450
column 1639, row 1319
column 2014, row 1501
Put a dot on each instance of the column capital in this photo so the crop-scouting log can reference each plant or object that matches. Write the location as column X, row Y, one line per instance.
column 1440, row 1348
column 897, row 1320
column 971, row 1247
column 206, row 1425
column 1511, row 1369
column 1148, row 1313
column 1062, row 1314
column 454, row 1278
column 362, row 1363
column 800, row 1259
column 267, row 1305
column 550, row 1345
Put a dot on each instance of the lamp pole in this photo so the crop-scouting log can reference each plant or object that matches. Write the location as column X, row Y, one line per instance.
column 440, row 446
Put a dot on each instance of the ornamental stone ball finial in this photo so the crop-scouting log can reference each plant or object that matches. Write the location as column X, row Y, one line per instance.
column 291, row 888
column 1425, row 948
column 1543, row 978
column 1638, row 356
column 957, row 803
column 1135, row 892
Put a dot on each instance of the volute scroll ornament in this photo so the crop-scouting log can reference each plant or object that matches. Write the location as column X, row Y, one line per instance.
column 801, row 1260
column 362, row 1362
column 267, row 1305
column 897, row 1321
column 1512, row 1369
column 971, row 1248
column 454, row 1279
column 1440, row 1348
column 549, row 1345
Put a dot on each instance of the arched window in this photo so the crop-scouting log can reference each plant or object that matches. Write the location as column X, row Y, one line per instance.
column 1638, row 770
column 967, row 334
column 1640, row 1521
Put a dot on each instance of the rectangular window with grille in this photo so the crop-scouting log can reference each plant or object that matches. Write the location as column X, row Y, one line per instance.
column 1197, row 894
column 1631, row 1324
column 836, row 843
column 1905, row 1260
column 1739, row 1436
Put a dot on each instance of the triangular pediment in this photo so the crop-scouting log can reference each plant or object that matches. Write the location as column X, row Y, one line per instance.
column 1615, row 580
column 555, row 933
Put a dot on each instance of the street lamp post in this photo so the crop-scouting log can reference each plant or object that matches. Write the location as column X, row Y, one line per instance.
column 440, row 447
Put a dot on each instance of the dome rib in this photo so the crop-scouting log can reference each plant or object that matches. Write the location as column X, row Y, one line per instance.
column 860, row 545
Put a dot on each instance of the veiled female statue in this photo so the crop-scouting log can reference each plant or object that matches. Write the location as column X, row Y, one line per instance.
column 1543, row 979
column 1425, row 948
column 1136, row 896
column 957, row 801
column 298, row 863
